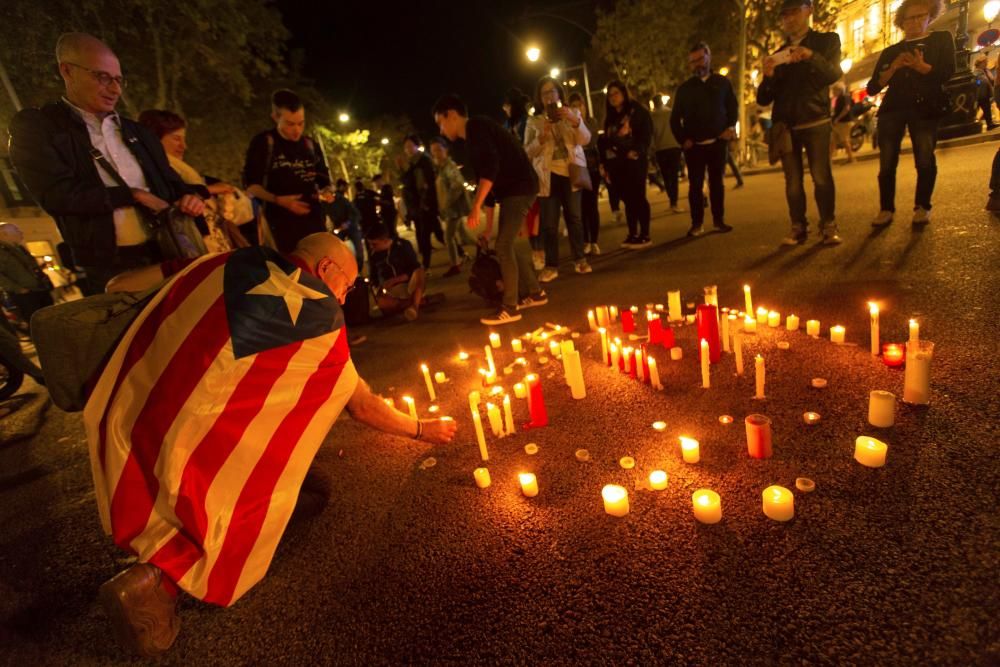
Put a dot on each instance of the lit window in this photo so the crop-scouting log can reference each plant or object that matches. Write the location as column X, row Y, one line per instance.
column 858, row 35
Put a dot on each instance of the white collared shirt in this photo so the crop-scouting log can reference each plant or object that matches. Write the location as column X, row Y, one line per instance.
column 106, row 136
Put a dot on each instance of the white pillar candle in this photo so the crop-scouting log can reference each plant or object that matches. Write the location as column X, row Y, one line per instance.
column 516, row 345
column 881, row 409
column 477, row 422
column 792, row 323
column 747, row 299
column 411, row 406
column 489, row 359
column 658, row 480
column 615, row 499
column 760, row 374
column 613, row 312
column 508, row 416
column 482, row 476
column 602, row 316
column 914, row 331
column 812, row 328
column 604, row 344
column 676, row 354
column 427, row 380
column 690, row 450
column 591, row 320
column 614, row 356
column 674, row 306
column 917, row 375
column 762, row 315
column 627, row 357
column 749, row 325
column 574, row 370
column 463, row 356
column 738, row 351
column 496, row 423
column 727, row 321
column 654, row 375
column 495, row 340
column 440, row 377
column 837, row 334
column 773, row 318
column 870, row 452
column 779, row 503
column 873, row 316
column 529, row 484
column 706, row 378
column 520, row 391
column 707, row 505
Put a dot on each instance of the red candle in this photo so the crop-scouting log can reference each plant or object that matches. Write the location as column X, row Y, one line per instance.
column 628, row 321
column 708, row 329
column 536, row 404
column 655, row 330
column 645, row 362
column 893, row 354
column 758, row 436
column 667, row 338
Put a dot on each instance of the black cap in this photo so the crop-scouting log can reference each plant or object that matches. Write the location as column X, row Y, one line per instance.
column 794, row 4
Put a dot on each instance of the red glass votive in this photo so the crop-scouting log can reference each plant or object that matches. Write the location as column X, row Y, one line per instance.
column 893, row 354
column 708, row 329
column 628, row 321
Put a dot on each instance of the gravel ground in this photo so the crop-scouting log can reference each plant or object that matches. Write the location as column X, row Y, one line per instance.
column 405, row 564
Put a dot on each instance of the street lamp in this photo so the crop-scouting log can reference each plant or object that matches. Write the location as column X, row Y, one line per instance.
column 845, row 65
column 533, row 53
column 554, row 72
column 990, row 11
column 724, row 71
column 664, row 99
column 343, row 117
column 385, row 141
column 572, row 83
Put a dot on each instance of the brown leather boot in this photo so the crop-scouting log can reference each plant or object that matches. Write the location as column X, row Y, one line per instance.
column 141, row 610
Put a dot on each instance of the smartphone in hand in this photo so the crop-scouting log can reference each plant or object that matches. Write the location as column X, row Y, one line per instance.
column 552, row 111
column 782, row 57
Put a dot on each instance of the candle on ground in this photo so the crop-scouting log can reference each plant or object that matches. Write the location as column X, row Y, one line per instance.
column 660, row 426
column 773, row 318
column 873, row 315
column 602, row 317
column 427, row 380
column 463, row 356
column 508, row 416
column 812, row 328
column 914, row 331
column 749, row 325
column 411, row 406
column 707, row 504
column 613, row 312
column 881, row 409
column 758, row 436
column 536, row 403
column 615, row 499
column 658, row 480
column 708, row 329
column 477, row 422
column 738, row 351
column 482, row 476
column 640, row 366
column 655, row 328
column 516, row 345
column 811, row 418
column 706, row 378
column 604, row 345
column 574, row 374
column 474, row 400
column 728, row 322
column 690, row 450
column 390, row 402
column 440, row 377
column 520, row 391
column 837, row 334
column 591, row 320
column 870, row 452
column 674, row 306
column 760, row 375
column 792, row 323
column 628, row 321
column 489, row 359
column 779, row 503
column 554, row 348
column 762, row 315
column 893, row 355
column 529, row 484
column 493, row 414
column 613, row 353
column 627, row 356
column 654, row 374
column 495, row 340
column 747, row 299
column 712, row 296
column 917, row 376
column 676, row 353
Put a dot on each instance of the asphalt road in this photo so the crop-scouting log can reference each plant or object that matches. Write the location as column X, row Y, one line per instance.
column 405, row 564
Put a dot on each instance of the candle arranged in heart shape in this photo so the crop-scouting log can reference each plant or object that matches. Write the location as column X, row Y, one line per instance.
column 529, row 484
column 615, row 500
column 707, row 506
column 779, row 503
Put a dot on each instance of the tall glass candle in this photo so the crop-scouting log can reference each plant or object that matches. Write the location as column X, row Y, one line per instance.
column 758, row 436
column 779, row 503
column 655, row 330
column 870, row 452
column 881, row 409
column 615, row 499
column 674, row 313
column 917, row 376
column 536, row 403
column 628, row 321
column 707, row 506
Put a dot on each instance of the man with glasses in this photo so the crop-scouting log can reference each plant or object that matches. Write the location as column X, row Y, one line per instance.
column 797, row 81
column 56, row 151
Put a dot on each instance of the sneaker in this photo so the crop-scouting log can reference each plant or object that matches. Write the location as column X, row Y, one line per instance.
column 595, row 249
column 539, row 298
column 738, row 185
column 538, row 259
column 722, row 227
column 921, row 216
column 620, row 217
column 410, row 314
column 586, row 248
column 501, row 316
column 583, row 267
column 882, row 219
column 629, row 241
column 453, row 271
column 548, row 274
column 832, row 238
column 696, row 230
column 674, row 208
column 641, row 242
column 795, row 238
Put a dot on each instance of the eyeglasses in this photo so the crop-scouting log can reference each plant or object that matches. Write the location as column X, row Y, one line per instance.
column 919, row 18
column 351, row 284
column 103, row 78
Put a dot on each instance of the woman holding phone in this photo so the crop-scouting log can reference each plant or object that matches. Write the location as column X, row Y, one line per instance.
column 628, row 131
column 914, row 70
column 554, row 140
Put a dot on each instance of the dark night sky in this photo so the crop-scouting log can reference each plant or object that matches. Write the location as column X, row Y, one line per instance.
column 382, row 57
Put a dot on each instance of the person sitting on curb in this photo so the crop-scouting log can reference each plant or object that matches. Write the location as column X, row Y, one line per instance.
column 397, row 273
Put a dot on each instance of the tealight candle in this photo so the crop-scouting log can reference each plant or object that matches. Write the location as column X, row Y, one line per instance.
column 707, row 506
column 917, row 376
column 779, row 503
column 747, row 299
column 706, row 378
column 660, row 426
column 881, row 409
column 812, row 328
column 870, row 452
column 758, row 436
column 516, row 345
column 591, row 320
column 893, row 355
column 792, row 323
column 411, row 406
column 615, row 499
column 873, row 316
column 520, row 391
column 674, row 306
column 554, row 348
column 427, row 380
column 690, row 450
column 837, row 334
column 811, row 418
column 440, row 377
column 495, row 340
column 676, row 354
column 725, row 419
column 773, row 318
column 658, row 480
column 482, row 476
column 762, row 313
column 749, row 324
column 529, row 484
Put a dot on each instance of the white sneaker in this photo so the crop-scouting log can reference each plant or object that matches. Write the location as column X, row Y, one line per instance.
column 586, row 248
column 882, row 219
column 548, row 274
column 538, row 259
column 921, row 216
column 583, row 267
column 595, row 249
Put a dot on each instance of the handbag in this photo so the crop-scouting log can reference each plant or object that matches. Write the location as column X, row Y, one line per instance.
column 779, row 142
column 579, row 177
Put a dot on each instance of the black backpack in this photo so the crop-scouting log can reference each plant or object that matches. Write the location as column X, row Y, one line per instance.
column 485, row 278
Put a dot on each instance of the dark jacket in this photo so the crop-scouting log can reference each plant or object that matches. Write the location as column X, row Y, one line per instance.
column 418, row 187
column 800, row 91
column 50, row 149
column 703, row 109
column 639, row 138
column 907, row 88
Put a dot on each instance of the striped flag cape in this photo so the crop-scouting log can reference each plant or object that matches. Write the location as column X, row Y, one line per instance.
column 207, row 416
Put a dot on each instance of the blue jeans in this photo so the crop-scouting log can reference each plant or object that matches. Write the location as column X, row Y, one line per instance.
column 513, row 252
column 815, row 141
column 923, row 135
column 561, row 195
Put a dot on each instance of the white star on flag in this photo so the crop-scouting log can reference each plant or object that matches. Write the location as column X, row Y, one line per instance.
column 288, row 287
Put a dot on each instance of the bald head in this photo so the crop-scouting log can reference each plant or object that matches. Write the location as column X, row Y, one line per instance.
column 331, row 260
column 75, row 45
column 91, row 72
